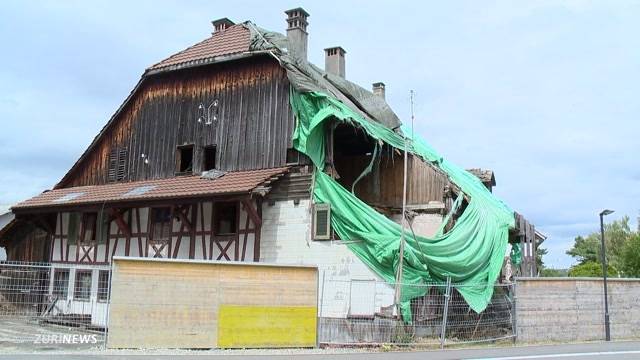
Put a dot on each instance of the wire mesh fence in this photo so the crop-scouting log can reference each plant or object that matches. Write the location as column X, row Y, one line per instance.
column 45, row 305
column 362, row 312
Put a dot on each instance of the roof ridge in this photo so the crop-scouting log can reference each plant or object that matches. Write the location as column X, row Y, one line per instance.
column 180, row 52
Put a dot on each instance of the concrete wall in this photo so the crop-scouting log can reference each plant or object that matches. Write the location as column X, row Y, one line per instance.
column 158, row 303
column 286, row 239
column 572, row 309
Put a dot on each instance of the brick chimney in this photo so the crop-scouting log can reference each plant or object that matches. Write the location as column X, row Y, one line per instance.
column 297, row 32
column 221, row 24
column 378, row 89
column 334, row 61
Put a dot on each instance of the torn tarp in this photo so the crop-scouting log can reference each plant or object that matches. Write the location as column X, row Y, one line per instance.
column 471, row 253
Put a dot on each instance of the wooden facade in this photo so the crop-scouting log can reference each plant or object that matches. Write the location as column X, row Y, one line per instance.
column 252, row 127
column 383, row 187
column 241, row 110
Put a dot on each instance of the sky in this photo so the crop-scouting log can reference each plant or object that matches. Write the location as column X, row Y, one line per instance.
column 544, row 93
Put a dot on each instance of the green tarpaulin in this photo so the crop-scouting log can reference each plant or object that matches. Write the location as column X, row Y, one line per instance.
column 471, row 253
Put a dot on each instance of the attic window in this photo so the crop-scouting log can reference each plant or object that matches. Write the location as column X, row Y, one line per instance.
column 184, row 159
column 117, row 164
column 209, row 158
column 293, row 156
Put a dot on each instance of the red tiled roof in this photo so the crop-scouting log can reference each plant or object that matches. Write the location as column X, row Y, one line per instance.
column 232, row 40
column 178, row 187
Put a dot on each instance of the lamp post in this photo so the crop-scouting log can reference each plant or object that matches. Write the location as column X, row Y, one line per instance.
column 607, row 330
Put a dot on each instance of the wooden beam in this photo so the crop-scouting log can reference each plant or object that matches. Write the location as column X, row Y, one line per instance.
column 192, row 242
column 116, row 214
column 257, row 231
column 180, row 210
column 255, row 217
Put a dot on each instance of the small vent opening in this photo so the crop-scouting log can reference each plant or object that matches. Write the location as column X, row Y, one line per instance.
column 322, row 221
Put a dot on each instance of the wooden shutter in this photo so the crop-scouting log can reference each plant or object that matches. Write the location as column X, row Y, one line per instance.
column 113, row 165
column 117, row 165
column 72, row 229
column 122, row 164
column 102, row 227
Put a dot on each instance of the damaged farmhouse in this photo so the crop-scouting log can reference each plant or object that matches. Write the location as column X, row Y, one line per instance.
column 239, row 149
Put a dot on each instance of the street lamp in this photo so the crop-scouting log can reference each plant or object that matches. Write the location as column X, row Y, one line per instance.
column 607, row 330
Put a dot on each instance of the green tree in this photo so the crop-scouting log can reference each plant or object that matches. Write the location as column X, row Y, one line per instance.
column 540, row 252
column 591, row 269
column 548, row 272
column 586, row 249
column 616, row 234
column 631, row 257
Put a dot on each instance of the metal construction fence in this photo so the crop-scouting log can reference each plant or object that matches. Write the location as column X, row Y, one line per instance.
column 52, row 306
column 362, row 312
column 67, row 306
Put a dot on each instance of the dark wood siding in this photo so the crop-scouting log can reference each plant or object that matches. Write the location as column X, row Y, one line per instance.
column 28, row 243
column 253, row 130
column 383, row 187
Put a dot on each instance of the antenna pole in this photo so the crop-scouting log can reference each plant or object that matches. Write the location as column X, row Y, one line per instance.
column 398, row 290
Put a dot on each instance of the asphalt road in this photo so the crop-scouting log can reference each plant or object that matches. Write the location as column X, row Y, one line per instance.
column 616, row 350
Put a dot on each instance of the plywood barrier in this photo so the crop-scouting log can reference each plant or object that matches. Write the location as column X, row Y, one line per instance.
column 196, row 304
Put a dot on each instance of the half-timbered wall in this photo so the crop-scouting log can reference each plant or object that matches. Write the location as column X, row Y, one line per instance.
column 199, row 242
column 252, row 127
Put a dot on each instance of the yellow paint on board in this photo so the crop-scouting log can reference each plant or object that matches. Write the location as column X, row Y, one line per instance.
column 242, row 326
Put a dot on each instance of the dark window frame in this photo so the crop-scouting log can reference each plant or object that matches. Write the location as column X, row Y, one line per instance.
column 167, row 224
column 220, row 208
column 182, row 169
column 98, row 223
column 209, row 154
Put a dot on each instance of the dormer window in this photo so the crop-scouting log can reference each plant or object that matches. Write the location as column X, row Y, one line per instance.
column 209, row 159
column 184, row 160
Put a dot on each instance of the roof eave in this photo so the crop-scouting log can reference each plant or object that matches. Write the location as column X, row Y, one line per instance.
column 39, row 209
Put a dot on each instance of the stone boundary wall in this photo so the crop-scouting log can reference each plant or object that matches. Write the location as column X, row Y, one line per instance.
column 572, row 309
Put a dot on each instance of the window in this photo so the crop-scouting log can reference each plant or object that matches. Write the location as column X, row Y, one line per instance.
column 89, row 226
column 95, row 226
column 185, row 159
column 82, row 290
column 103, row 285
column 293, row 156
column 209, row 158
column 226, row 213
column 322, row 222
column 117, row 164
column 161, row 224
column 60, row 283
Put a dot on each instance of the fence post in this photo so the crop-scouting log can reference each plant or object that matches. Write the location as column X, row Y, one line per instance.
column 445, row 313
column 321, row 295
column 514, row 311
column 108, row 306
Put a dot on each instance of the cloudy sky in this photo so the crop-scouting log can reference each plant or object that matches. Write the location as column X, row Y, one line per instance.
column 545, row 93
